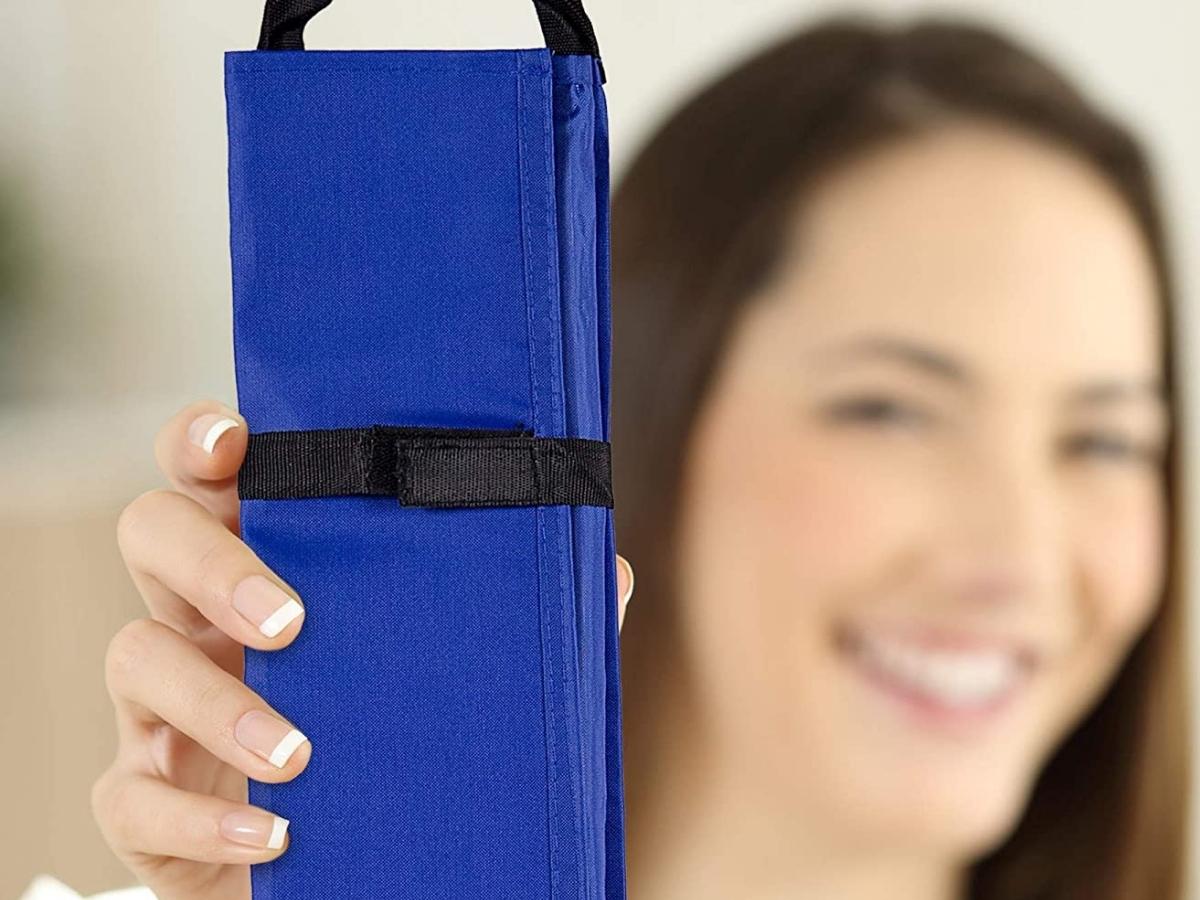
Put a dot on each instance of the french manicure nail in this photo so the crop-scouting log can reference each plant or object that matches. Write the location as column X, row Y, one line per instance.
column 254, row 828
column 271, row 738
column 207, row 429
column 265, row 604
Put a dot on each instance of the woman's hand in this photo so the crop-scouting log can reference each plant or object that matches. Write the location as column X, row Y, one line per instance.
column 172, row 805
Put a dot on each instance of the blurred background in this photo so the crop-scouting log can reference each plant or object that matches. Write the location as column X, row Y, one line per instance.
column 115, row 285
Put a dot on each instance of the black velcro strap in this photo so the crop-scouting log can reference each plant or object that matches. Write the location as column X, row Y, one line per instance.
column 565, row 26
column 421, row 466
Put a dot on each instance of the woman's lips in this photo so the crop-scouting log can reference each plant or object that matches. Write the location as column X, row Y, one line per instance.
column 943, row 677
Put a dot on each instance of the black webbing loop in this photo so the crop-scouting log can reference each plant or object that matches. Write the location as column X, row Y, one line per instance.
column 425, row 466
column 565, row 26
column 284, row 21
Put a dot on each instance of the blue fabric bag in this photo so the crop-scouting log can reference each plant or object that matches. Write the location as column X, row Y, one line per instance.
column 421, row 330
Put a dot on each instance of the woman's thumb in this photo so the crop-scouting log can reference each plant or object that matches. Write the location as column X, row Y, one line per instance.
column 624, row 587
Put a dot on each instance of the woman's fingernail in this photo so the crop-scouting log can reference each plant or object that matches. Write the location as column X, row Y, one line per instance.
column 207, row 429
column 629, row 569
column 265, row 604
column 271, row 738
column 255, row 828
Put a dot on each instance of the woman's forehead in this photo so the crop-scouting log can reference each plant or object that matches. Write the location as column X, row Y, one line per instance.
column 980, row 238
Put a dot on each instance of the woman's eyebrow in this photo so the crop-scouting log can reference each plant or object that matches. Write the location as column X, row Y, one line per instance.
column 1108, row 392
column 1101, row 392
column 898, row 349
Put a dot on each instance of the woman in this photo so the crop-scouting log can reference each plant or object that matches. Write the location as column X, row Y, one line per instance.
column 894, row 424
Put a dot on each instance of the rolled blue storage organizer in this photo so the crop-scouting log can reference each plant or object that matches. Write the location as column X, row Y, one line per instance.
column 421, row 331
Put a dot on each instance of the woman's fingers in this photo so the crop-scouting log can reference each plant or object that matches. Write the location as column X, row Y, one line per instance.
column 624, row 588
column 200, row 451
column 185, row 562
column 154, row 673
column 141, row 814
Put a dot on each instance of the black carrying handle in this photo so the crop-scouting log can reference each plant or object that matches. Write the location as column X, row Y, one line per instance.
column 565, row 25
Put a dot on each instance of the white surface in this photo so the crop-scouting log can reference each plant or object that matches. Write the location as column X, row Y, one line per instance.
column 46, row 887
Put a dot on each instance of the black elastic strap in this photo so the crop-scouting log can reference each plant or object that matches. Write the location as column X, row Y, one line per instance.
column 565, row 26
column 442, row 467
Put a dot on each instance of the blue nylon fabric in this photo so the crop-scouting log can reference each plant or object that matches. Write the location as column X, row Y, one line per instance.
column 420, row 238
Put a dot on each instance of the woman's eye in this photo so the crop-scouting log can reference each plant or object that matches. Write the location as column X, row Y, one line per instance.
column 1112, row 447
column 877, row 410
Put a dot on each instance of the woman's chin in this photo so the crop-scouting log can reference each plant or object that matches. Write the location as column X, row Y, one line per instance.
column 908, row 810
column 964, row 822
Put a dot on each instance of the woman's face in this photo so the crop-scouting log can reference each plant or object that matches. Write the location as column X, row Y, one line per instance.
column 924, row 517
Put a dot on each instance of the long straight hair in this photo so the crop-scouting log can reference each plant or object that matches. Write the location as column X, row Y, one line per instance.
column 696, row 225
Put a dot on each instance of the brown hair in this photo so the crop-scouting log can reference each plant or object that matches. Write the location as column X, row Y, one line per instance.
column 696, row 225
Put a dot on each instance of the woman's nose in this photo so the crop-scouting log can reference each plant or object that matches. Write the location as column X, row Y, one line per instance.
column 1005, row 540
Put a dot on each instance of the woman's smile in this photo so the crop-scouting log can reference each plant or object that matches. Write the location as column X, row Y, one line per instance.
column 946, row 680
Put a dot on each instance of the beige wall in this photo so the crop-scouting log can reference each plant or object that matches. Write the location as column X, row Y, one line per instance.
column 68, row 590
column 112, row 126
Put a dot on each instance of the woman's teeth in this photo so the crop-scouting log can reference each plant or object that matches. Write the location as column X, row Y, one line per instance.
column 959, row 679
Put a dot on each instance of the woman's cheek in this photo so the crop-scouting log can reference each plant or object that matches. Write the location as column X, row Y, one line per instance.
column 779, row 530
column 838, row 508
column 825, row 529
column 1121, row 540
column 1115, row 554
column 1120, row 566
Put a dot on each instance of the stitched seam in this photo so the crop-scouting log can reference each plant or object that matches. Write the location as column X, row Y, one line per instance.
column 561, row 560
column 543, row 618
